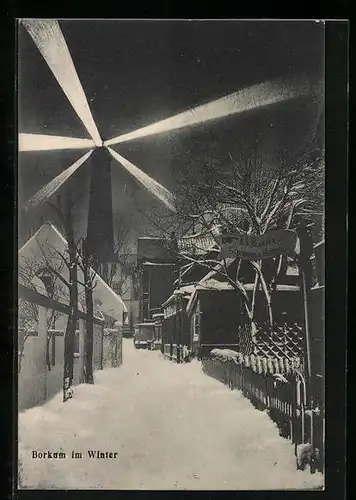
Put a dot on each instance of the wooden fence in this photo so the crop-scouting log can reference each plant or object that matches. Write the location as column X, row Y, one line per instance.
column 278, row 386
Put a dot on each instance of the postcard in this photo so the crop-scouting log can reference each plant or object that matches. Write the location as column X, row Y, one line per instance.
column 171, row 228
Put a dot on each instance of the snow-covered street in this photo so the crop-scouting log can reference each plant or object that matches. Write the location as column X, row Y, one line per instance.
column 171, row 426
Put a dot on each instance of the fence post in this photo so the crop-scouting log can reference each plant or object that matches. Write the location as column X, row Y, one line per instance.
column 42, row 340
column 81, row 349
column 305, row 269
column 102, row 346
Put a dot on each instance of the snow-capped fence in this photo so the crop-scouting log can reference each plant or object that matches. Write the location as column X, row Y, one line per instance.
column 278, row 386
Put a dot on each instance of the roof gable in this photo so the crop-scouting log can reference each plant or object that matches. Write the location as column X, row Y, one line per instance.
column 46, row 242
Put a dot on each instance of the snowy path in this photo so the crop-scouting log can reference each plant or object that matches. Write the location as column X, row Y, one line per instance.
column 172, row 428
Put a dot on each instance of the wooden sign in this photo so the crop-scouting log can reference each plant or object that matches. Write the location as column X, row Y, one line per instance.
column 257, row 247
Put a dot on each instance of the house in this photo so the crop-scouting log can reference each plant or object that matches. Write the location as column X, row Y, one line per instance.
column 218, row 318
column 216, row 314
column 41, row 359
column 163, row 265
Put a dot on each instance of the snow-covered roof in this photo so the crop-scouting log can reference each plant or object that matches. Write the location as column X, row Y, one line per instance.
column 197, row 244
column 220, row 286
column 213, row 284
column 155, row 238
column 157, row 315
column 280, row 288
column 47, row 241
column 158, row 264
column 185, row 290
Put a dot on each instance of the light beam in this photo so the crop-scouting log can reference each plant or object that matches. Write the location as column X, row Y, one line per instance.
column 49, row 39
column 38, row 142
column 154, row 187
column 256, row 96
column 52, row 187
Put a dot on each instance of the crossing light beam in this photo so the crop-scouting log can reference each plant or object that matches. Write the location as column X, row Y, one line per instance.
column 49, row 39
column 154, row 187
column 52, row 187
column 254, row 97
column 39, row 142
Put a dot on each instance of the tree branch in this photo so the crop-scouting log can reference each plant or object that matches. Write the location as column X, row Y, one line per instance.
column 265, row 289
column 270, row 198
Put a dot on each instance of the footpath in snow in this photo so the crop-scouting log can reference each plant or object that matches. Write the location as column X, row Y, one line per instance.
column 168, row 426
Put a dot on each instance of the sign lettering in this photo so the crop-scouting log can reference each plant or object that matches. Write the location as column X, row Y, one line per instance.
column 257, row 247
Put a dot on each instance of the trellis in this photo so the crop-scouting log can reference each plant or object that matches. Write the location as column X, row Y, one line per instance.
column 283, row 340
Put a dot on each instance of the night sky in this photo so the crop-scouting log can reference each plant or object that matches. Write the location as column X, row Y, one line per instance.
column 137, row 72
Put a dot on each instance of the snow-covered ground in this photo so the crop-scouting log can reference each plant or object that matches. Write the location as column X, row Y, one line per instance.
column 171, row 426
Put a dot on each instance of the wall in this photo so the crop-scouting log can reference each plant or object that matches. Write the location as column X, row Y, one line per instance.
column 36, row 382
column 161, row 285
column 39, row 381
column 40, row 376
column 32, row 376
column 287, row 307
column 221, row 313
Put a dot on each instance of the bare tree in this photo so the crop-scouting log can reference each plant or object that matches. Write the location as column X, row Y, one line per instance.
column 51, row 264
column 63, row 211
column 247, row 194
column 84, row 262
